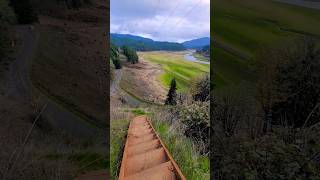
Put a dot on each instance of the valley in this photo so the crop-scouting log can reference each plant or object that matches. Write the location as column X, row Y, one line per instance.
column 142, row 90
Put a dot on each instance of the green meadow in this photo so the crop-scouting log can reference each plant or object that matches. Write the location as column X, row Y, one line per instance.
column 243, row 27
column 175, row 66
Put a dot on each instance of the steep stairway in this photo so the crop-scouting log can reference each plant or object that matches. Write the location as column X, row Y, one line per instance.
column 145, row 156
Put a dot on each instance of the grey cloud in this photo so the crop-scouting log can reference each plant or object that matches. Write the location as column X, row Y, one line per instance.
column 164, row 20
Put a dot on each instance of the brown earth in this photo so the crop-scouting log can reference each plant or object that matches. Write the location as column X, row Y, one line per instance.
column 145, row 156
column 71, row 61
column 141, row 80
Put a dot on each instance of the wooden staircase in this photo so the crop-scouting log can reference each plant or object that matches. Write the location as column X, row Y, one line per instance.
column 145, row 156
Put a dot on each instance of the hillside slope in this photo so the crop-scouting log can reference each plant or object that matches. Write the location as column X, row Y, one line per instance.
column 72, row 68
column 144, row 44
column 197, row 43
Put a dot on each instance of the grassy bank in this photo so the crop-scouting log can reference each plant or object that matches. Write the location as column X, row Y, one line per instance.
column 192, row 164
column 175, row 67
column 118, row 132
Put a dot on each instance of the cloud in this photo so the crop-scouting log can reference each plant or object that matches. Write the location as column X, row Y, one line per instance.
column 164, row 20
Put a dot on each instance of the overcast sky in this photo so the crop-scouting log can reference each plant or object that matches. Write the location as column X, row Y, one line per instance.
column 162, row 20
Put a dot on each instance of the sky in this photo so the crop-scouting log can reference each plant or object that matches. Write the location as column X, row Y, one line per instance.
column 161, row 20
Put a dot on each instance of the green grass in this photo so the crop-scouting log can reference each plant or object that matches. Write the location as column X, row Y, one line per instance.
column 138, row 112
column 175, row 67
column 118, row 131
column 192, row 165
column 243, row 27
column 200, row 57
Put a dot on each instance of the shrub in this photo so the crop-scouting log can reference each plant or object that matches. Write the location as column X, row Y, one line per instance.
column 196, row 119
column 200, row 89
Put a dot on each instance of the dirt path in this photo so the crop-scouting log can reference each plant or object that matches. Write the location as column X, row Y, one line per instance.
column 115, row 83
column 145, row 156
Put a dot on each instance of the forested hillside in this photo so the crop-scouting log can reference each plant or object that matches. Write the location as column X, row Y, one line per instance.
column 144, row 44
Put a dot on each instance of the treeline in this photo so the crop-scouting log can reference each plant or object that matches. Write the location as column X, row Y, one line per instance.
column 273, row 134
column 131, row 54
column 144, row 44
column 114, row 56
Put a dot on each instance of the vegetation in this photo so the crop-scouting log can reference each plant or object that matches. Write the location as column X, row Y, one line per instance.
column 118, row 131
column 131, row 54
column 185, row 151
column 172, row 94
column 269, row 136
column 200, row 89
column 176, row 67
column 265, row 105
column 114, row 56
column 144, row 44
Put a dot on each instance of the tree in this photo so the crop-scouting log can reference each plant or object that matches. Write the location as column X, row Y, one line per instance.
column 116, row 63
column 114, row 56
column 201, row 89
column 131, row 54
column 172, row 94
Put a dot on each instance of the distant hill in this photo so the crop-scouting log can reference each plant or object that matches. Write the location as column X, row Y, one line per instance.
column 197, row 43
column 144, row 44
column 205, row 51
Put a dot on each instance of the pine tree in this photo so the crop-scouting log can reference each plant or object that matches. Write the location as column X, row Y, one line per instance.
column 172, row 94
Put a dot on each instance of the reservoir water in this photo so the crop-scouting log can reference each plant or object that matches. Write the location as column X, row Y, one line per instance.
column 190, row 57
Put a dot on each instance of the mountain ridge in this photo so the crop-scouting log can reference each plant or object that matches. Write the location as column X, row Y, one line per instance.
column 140, row 43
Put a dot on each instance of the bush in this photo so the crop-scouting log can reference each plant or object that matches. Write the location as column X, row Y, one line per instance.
column 200, row 89
column 196, row 119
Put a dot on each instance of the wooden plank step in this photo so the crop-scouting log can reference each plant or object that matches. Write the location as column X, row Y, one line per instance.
column 160, row 172
column 145, row 156
column 145, row 160
column 143, row 147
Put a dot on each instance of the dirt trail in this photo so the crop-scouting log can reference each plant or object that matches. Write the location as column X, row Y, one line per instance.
column 145, row 156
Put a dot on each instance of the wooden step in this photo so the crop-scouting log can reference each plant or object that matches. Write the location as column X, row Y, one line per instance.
column 144, row 161
column 160, row 172
column 133, row 140
column 145, row 156
column 143, row 147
